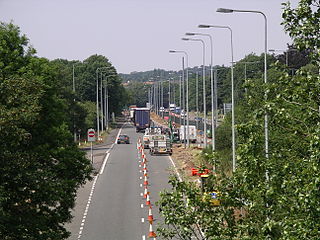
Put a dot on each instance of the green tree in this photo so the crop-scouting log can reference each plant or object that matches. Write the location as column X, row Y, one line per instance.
column 40, row 167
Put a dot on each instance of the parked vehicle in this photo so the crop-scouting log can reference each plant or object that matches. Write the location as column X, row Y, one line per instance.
column 141, row 118
column 192, row 133
column 123, row 139
column 172, row 107
column 160, row 144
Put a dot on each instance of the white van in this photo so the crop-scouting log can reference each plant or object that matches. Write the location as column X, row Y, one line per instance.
column 192, row 133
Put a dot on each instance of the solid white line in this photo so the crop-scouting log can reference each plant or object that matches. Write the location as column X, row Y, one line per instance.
column 112, row 145
column 175, row 168
column 104, row 163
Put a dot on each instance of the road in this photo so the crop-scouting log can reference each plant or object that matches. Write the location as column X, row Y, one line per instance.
column 111, row 206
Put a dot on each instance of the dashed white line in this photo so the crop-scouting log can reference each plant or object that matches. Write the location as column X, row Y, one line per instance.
column 141, row 205
column 87, row 208
column 142, row 220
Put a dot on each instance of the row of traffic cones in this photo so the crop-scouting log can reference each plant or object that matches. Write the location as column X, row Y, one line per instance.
column 146, row 193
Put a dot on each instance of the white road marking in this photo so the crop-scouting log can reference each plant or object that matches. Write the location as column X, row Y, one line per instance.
column 87, row 208
column 104, row 163
column 141, row 205
column 175, row 168
column 94, row 185
column 143, row 237
column 142, row 220
column 115, row 142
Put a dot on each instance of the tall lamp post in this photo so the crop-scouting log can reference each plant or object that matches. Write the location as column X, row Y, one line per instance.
column 232, row 93
column 187, row 90
column 204, row 87
column 106, row 101
column 97, row 96
column 213, row 109
column 74, row 92
column 266, row 132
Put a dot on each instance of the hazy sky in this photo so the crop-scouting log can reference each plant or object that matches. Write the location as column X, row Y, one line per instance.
column 136, row 35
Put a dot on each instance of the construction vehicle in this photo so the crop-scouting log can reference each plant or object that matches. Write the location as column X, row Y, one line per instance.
column 147, row 134
column 160, row 144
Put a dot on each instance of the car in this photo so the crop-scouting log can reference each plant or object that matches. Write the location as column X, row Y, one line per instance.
column 123, row 139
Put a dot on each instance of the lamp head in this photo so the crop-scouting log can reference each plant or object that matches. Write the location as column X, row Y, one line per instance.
column 185, row 39
column 272, row 50
column 172, row 51
column 190, row 34
column 224, row 10
column 204, row 26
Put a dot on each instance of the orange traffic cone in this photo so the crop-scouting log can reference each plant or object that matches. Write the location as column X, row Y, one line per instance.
column 145, row 173
column 148, row 203
column 150, row 216
column 145, row 192
column 145, row 181
column 152, row 234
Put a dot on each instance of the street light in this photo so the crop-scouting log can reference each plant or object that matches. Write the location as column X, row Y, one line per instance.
column 204, row 88
column 266, row 132
column 97, row 96
column 232, row 94
column 187, row 92
column 213, row 120
column 106, row 101
column 74, row 99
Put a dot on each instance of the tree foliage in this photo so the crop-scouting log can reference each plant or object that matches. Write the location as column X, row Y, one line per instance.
column 41, row 168
column 265, row 198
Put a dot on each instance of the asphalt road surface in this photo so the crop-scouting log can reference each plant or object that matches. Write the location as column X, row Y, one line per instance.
column 111, row 207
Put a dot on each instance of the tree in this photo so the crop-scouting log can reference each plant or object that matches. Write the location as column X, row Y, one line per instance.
column 302, row 24
column 40, row 166
column 274, row 197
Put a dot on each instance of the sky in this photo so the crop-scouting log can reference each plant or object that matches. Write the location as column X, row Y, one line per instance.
column 136, row 35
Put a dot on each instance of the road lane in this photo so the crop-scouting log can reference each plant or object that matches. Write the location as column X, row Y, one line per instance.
column 115, row 211
column 116, row 208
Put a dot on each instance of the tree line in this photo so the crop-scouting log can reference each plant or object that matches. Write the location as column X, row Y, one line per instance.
column 41, row 168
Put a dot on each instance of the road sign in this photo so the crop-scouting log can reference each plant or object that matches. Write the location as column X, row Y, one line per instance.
column 91, row 135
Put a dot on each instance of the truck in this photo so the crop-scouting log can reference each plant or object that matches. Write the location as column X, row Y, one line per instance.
column 172, row 107
column 192, row 133
column 141, row 118
column 160, row 144
column 131, row 112
column 147, row 135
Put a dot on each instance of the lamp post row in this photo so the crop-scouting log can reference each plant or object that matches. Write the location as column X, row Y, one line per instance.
column 213, row 83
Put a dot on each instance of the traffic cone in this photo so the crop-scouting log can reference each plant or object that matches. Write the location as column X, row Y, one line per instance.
column 152, row 234
column 150, row 216
column 146, row 193
column 148, row 203
column 145, row 181
column 145, row 173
